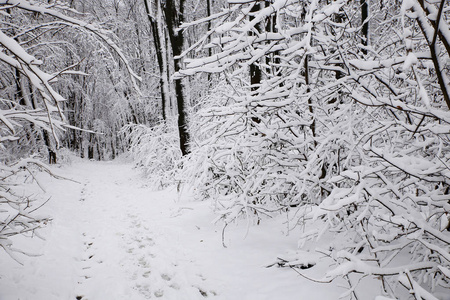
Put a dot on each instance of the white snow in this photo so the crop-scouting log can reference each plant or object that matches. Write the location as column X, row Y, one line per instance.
column 112, row 237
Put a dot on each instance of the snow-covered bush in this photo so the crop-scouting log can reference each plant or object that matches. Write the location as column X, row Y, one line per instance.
column 248, row 154
column 66, row 156
column 17, row 209
column 155, row 150
column 347, row 129
column 392, row 209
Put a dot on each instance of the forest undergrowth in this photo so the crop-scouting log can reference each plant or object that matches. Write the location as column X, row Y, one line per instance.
column 334, row 114
column 339, row 134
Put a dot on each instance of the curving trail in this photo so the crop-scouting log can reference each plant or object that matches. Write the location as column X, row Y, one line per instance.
column 112, row 237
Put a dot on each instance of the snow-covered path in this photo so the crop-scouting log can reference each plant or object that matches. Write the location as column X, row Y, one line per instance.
column 114, row 238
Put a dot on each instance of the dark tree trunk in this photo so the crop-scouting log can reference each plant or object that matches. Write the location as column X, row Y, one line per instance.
column 255, row 69
column 365, row 24
column 45, row 135
column 51, row 152
column 91, row 147
column 208, row 13
column 272, row 59
column 174, row 18
column 19, row 91
column 159, row 56
column 310, row 104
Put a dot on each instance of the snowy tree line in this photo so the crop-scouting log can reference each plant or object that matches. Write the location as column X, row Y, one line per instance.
column 334, row 113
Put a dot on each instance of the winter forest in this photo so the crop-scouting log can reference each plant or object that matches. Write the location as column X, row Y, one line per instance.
column 326, row 119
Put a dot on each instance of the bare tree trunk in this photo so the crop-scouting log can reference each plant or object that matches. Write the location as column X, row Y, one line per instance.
column 365, row 24
column 208, row 13
column 51, row 152
column 174, row 18
column 154, row 24
column 255, row 69
column 45, row 135
column 91, row 146
column 272, row 59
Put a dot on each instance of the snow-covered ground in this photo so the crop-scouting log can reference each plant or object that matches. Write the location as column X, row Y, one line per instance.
column 112, row 237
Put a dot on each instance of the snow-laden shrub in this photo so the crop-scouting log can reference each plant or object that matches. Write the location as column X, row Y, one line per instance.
column 249, row 153
column 17, row 209
column 379, row 184
column 155, row 151
column 350, row 133
column 389, row 208
column 66, row 156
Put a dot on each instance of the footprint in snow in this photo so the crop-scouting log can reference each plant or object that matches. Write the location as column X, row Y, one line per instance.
column 150, row 273
column 84, row 192
column 87, row 258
